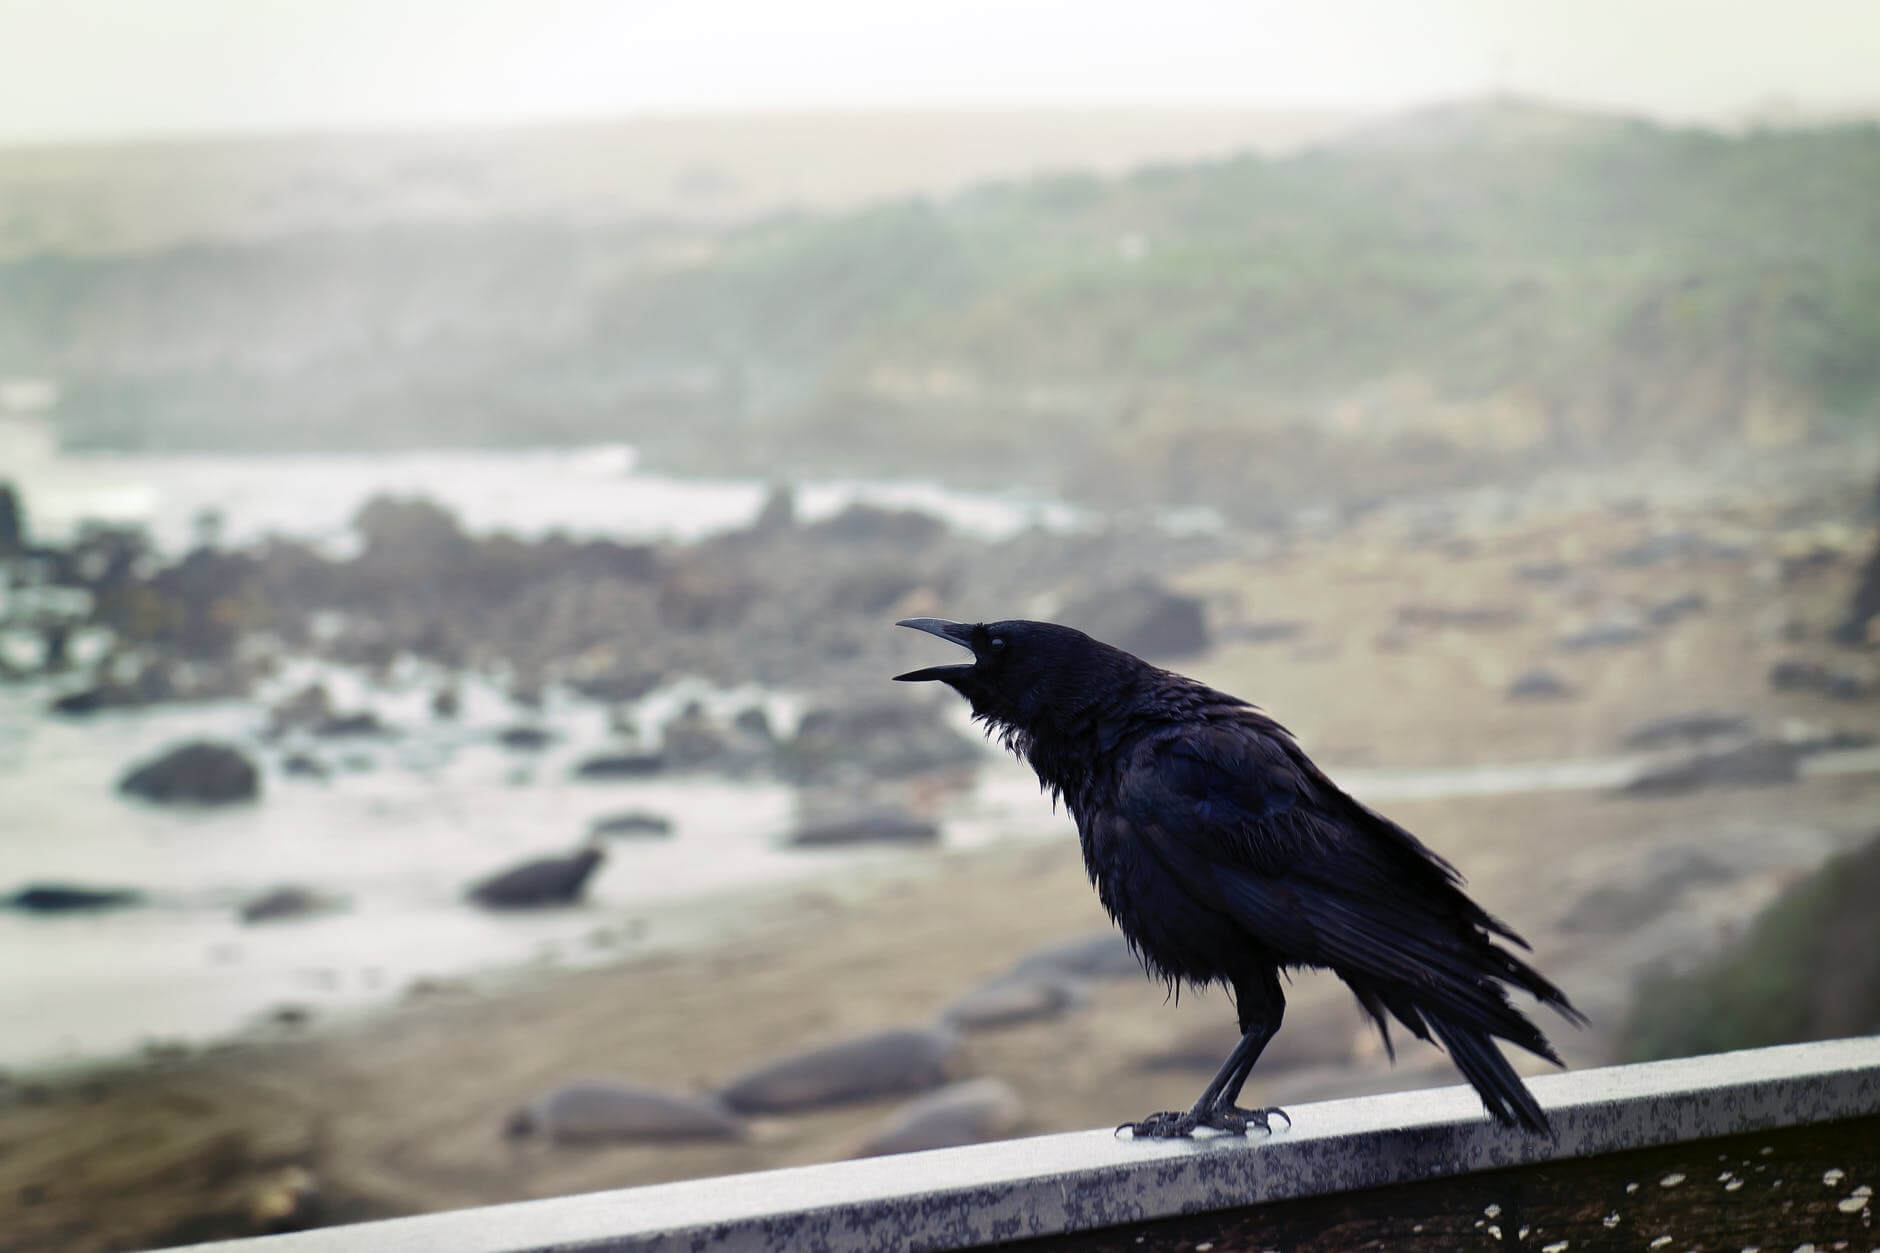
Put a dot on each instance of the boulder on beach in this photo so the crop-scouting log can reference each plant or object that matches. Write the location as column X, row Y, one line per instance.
column 541, row 882
column 884, row 1063
column 279, row 904
column 1838, row 682
column 1012, row 1000
column 1098, row 955
column 1760, row 763
column 304, row 710
column 1688, row 728
column 60, row 898
column 202, row 772
column 525, row 738
column 1539, row 684
column 1613, row 631
column 873, row 826
column 620, row 766
column 1142, row 617
column 633, row 822
column 587, row 1111
column 875, row 739
column 972, row 1111
column 12, row 522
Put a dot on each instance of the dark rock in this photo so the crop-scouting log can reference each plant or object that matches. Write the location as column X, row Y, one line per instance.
column 693, row 739
column 970, row 1112
column 1800, row 565
column 1142, row 617
column 446, row 703
column 286, row 902
column 884, row 739
column 1011, row 1000
column 292, row 1017
column 633, row 822
column 620, row 766
column 1840, row 683
column 616, row 686
column 778, row 513
column 1273, row 631
column 754, row 723
column 871, row 524
column 1686, row 728
column 1677, row 608
column 885, row 1063
column 1099, row 955
column 310, row 707
column 152, row 684
column 59, row 898
column 1763, row 763
column 304, row 766
column 525, row 738
column 202, row 773
column 1539, row 684
column 882, row 826
column 1460, row 617
column 1615, row 632
column 542, row 882
column 1861, row 626
column 590, row 1111
column 12, row 522
column 340, row 726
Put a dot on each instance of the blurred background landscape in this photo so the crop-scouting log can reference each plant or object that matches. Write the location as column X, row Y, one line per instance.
column 458, row 478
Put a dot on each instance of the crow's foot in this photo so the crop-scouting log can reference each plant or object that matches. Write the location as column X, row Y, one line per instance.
column 1167, row 1125
column 1233, row 1119
column 1171, row 1125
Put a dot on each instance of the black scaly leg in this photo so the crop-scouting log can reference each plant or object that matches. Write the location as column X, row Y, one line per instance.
column 1261, row 1005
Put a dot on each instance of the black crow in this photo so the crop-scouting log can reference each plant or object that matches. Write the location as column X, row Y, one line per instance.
column 1226, row 855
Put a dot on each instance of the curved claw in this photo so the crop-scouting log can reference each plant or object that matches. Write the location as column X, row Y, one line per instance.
column 1167, row 1125
column 1235, row 1120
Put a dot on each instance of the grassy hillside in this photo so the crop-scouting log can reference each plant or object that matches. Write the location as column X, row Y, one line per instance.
column 1808, row 969
column 1481, row 285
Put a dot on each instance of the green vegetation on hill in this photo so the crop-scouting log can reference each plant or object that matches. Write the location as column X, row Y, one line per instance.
column 1462, row 288
column 1808, row 969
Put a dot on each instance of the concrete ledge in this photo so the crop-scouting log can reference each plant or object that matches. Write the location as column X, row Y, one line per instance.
column 1053, row 1185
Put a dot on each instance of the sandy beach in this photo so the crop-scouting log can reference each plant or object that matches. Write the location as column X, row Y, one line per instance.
column 403, row 1111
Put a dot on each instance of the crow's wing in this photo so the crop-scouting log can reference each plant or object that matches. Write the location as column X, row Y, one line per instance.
column 1242, row 818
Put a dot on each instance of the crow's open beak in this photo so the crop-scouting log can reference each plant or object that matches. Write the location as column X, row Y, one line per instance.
column 960, row 633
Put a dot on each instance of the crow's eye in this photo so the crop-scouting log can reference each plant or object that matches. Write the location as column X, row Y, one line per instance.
column 997, row 643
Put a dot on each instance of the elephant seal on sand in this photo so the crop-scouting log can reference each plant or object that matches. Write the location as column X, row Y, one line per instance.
column 885, row 1063
column 1013, row 999
column 960, row 1113
column 589, row 1110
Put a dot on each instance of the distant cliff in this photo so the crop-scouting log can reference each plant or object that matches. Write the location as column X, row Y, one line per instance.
column 1463, row 290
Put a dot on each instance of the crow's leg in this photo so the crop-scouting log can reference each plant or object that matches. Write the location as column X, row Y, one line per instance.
column 1261, row 1005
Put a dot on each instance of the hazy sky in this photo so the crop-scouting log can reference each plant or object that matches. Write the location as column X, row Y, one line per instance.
column 104, row 68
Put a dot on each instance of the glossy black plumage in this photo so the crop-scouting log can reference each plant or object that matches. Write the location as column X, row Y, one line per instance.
column 1225, row 855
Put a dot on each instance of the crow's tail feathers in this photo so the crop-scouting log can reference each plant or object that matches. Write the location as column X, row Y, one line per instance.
column 1465, row 1013
column 1508, row 1100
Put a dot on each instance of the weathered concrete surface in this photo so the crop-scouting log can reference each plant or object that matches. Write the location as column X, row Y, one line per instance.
column 966, row 1197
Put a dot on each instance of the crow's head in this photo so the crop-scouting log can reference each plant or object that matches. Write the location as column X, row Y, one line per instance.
column 1024, row 676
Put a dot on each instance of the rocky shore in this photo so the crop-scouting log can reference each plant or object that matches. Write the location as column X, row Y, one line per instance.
column 1704, row 639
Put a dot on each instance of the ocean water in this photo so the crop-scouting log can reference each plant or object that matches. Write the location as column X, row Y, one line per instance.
column 404, row 824
column 529, row 492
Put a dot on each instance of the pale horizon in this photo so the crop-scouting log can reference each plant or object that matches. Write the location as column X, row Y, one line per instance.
column 120, row 71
